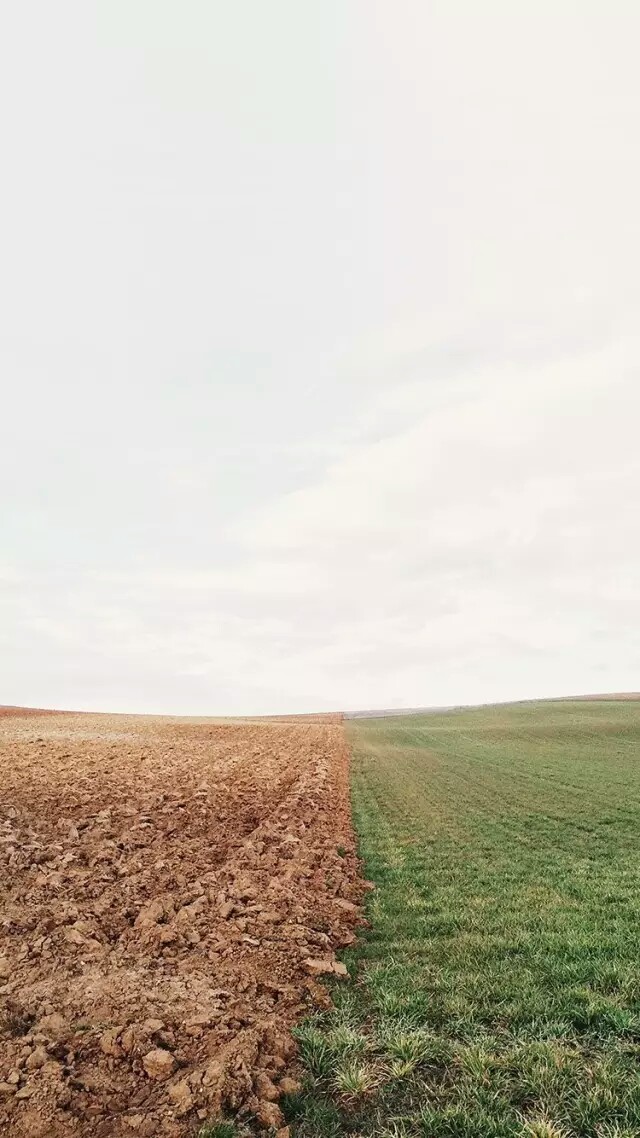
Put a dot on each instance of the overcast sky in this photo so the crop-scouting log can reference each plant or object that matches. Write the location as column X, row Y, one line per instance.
column 320, row 352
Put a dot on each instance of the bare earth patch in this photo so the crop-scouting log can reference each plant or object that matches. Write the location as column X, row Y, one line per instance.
column 170, row 892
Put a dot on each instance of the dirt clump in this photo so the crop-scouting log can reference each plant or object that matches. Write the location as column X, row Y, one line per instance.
column 169, row 890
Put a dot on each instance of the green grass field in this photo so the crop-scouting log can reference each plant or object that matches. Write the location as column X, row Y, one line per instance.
column 498, row 989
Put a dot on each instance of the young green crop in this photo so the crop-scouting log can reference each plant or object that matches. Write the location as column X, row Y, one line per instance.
column 499, row 990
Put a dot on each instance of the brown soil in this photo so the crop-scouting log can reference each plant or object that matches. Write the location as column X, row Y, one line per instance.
column 170, row 891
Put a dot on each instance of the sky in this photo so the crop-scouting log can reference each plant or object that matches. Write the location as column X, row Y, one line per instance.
column 319, row 353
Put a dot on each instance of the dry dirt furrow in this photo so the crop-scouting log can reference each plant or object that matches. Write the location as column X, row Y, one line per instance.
column 169, row 891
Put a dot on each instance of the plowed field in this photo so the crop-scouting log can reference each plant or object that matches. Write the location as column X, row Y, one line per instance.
column 170, row 891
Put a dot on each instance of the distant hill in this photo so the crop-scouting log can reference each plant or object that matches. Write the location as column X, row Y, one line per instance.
column 379, row 713
column 7, row 709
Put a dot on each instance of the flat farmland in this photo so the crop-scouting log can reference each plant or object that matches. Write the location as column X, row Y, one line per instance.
column 169, row 892
column 498, row 990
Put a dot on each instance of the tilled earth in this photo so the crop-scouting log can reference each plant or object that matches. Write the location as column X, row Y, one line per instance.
column 170, row 892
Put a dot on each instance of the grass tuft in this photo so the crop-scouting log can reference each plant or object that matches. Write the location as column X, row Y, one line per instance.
column 315, row 1051
column 345, row 1040
column 542, row 1128
column 353, row 1078
column 223, row 1128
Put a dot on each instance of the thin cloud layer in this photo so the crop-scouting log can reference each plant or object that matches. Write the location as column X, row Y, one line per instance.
column 320, row 354
column 487, row 550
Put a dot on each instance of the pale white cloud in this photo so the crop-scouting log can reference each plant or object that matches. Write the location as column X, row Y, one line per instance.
column 321, row 354
column 488, row 550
